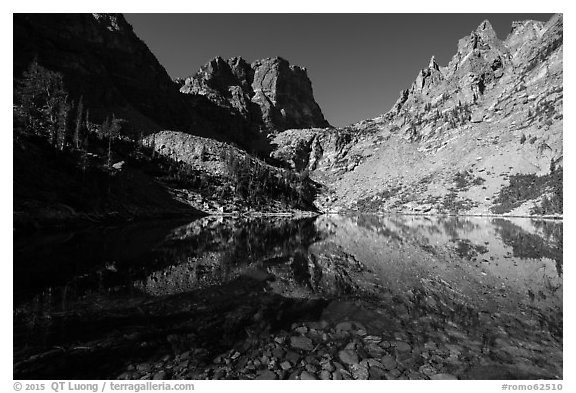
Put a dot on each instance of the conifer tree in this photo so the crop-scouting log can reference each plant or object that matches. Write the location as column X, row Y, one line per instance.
column 43, row 99
column 78, row 130
column 112, row 131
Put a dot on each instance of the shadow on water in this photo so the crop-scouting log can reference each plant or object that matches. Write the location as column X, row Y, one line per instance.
column 90, row 303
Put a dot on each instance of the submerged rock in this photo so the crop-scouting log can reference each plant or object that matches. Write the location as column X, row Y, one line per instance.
column 348, row 356
column 267, row 375
column 303, row 343
column 443, row 377
column 306, row 376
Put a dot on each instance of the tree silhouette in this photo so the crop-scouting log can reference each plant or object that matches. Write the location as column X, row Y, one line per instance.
column 79, row 129
column 44, row 103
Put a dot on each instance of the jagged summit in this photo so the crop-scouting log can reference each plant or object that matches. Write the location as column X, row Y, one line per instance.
column 485, row 27
column 481, row 60
column 270, row 93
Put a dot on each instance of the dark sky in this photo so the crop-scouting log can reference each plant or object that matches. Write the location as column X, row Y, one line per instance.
column 358, row 63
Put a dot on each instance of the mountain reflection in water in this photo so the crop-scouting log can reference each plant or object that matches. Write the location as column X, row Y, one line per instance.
column 490, row 287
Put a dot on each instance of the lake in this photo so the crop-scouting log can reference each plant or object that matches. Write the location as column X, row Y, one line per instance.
column 328, row 297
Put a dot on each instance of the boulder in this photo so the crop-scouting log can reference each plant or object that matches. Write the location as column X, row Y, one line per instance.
column 300, row 342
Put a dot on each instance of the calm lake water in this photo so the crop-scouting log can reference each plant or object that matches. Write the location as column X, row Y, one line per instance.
column 490, row 287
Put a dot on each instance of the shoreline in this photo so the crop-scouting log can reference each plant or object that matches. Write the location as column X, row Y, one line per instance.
column 25, row 223
column 543, row 217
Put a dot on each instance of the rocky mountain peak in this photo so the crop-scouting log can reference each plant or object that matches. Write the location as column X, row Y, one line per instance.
column 485, row 27
column 213, row 78
column 480, row 61
column 486, row 33
column 113, row 22
column 270, row 94
column 483, row 38
column 521, row 26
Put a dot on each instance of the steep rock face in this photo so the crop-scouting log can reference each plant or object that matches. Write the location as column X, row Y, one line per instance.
column 104, row 61
column 477, row 66
column 270, row 94
column 313, row 148
column 457, row 136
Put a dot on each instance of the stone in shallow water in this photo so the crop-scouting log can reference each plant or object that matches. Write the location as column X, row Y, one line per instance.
column 143, row 367
column 311, row 368
column 285, row 365
column 339, row 366
column 348, row 356
column 306, row 376
column 344, row 326
column 325, row 375
column 292, row 357
column 443, row 377
column 414, row 376
column 374, row 349
column 359, row 371
column 301, row 343
column 377, row 373
column 267, row 375
column 371, row 363
column 351, row 345
column 242, row 362
column 388, row 362
column 327, row 365
column 317, row 325
column 311, row 359
column 278, row 353
column 427, row 370
column 385, row 344
column 401, row 346
column 302, row 330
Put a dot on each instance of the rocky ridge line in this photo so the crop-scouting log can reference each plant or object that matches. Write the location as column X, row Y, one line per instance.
column 494, row 112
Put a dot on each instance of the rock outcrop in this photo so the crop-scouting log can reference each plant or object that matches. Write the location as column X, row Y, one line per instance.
column 270, row 94
column 493, row 112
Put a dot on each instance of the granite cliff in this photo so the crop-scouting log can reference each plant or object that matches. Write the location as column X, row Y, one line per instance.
column 270, row 95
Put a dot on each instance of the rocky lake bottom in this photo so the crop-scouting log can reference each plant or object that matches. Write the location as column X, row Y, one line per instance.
column 328, row 297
